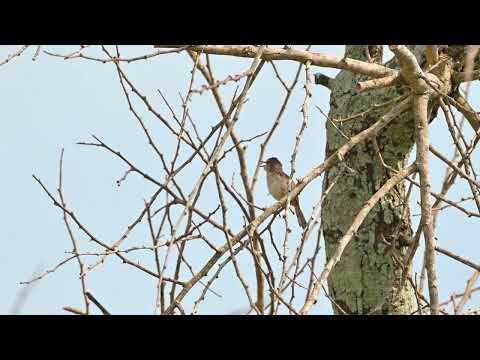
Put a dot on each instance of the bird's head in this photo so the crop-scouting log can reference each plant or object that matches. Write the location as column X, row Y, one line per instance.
column 272, row 164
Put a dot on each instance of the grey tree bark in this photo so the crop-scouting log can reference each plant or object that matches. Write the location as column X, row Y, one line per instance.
column 366, row 280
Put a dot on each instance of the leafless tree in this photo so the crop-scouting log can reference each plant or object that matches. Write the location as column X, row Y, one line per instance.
column 379, row 112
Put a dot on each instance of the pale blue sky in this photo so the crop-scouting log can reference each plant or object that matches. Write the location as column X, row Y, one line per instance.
column 52, row 103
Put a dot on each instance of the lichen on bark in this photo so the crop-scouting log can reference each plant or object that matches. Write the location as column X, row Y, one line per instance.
column 366, row 280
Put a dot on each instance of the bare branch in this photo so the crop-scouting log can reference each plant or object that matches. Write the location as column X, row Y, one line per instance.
column 377, row 83
column 15, row 54
column 423, row 142
column 96, row 302
column 269, row 54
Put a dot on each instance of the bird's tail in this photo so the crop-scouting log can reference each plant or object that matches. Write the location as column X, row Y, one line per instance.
column 299, row 213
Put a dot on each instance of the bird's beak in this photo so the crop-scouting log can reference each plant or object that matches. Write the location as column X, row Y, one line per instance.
column 263, row 163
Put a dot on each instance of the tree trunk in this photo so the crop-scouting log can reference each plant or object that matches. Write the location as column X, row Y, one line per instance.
column 367, row 280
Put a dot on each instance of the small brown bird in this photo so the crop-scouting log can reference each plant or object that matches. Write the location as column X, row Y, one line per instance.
column 277, row 183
